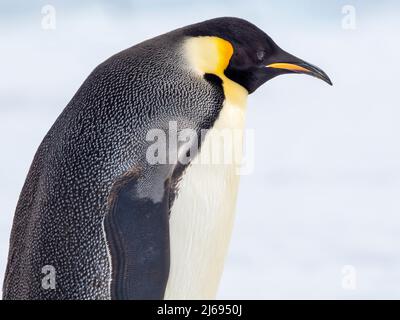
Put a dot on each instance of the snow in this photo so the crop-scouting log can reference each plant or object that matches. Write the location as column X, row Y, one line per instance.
column 325, row 190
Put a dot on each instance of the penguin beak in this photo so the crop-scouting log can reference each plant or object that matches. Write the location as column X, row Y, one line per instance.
column 299, row 66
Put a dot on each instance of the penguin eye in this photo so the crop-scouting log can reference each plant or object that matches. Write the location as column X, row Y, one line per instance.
column 260, row 55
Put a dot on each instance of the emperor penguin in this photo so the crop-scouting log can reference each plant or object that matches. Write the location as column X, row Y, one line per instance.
column 97, row 218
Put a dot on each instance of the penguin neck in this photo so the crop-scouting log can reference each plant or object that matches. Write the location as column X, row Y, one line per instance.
column 211, row 55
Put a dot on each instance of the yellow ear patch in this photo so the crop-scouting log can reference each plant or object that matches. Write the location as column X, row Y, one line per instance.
column 209, row 54
column 212, row 55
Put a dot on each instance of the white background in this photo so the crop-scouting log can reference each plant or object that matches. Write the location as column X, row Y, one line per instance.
column 325, row 190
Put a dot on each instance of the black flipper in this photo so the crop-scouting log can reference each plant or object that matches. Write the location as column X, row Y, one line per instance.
column 137, row 231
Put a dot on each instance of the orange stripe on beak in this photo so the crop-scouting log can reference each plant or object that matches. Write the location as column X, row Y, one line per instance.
column 288, row 66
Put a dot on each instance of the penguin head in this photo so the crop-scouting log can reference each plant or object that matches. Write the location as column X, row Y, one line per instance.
column 247, row 55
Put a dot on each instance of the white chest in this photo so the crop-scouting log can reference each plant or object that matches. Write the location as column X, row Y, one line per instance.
column 203, row 214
